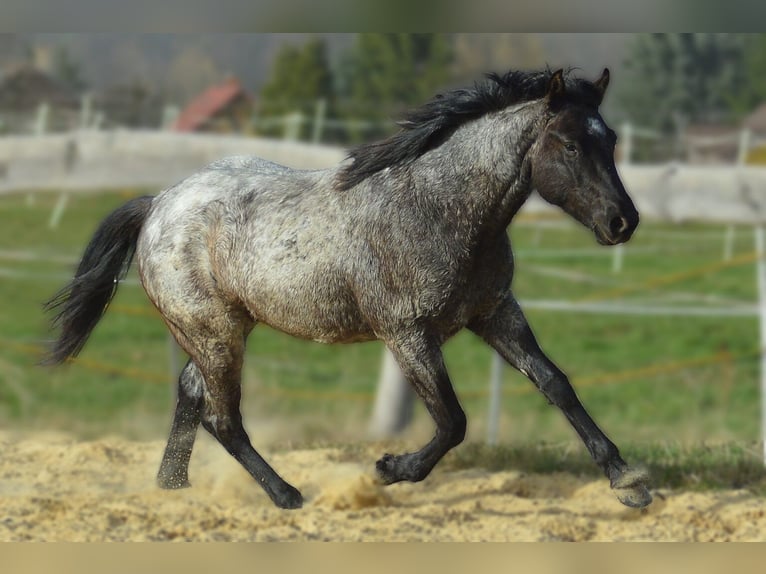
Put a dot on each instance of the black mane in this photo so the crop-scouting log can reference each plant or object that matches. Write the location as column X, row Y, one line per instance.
column 428, row 126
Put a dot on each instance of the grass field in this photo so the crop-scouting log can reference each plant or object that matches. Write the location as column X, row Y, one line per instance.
column 644, row 378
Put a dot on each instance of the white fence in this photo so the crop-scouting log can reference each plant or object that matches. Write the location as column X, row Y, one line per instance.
column 117, row 159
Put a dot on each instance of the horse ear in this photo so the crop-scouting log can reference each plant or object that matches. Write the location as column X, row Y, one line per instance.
column 602, row 83
column 556, row 89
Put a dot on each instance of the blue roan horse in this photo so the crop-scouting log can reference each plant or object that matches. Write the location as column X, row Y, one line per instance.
column 406, row 243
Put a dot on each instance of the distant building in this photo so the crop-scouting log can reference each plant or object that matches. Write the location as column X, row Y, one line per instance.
column 225, row 107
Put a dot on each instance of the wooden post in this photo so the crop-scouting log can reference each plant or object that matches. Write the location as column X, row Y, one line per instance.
column 293, row 126
column 626, row 136
column 170, row 114
column 58, row 210
column 41, row 121
column 728, row 242
column 86, row 110
column 761, row 282
column 319, row 117
column 495, row 398
column 618, row 251
column 744, row 147
column 394, row 400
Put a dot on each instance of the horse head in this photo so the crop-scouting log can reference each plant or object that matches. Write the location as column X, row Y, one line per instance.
column 573, row 161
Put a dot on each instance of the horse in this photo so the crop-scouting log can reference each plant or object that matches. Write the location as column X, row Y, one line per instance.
column 405, row 242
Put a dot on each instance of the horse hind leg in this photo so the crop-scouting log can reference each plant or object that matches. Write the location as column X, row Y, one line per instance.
column 221, row 417
column 174, row 469
column 214, row 334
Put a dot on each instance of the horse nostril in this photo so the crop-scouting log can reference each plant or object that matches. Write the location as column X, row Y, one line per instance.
column 618, row 225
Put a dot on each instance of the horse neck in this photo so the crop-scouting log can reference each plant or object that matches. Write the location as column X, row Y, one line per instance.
column 482, row 173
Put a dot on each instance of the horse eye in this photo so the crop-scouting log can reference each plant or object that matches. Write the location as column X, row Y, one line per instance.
column 570, row 147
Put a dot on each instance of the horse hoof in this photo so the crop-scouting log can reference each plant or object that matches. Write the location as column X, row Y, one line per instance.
column 638, row 497
column 289, row 498
column 386, row 469
column 631, row 488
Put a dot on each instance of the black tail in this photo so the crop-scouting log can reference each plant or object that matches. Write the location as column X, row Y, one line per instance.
column 81, row 304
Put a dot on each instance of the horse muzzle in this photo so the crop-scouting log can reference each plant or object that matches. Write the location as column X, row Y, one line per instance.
column 618, row 227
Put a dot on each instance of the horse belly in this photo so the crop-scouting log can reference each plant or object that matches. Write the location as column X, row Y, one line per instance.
column 318, row 310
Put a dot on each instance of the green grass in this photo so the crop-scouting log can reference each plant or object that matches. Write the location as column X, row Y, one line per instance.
column 644, row 379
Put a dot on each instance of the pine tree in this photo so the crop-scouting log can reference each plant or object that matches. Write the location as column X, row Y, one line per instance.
column 753, row 90
column 386, row 74
column 301, row 77
column 676, row 79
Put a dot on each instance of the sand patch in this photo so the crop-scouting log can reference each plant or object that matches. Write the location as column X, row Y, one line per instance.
column 53, row 487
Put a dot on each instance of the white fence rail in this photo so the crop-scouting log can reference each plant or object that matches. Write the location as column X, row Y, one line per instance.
column 118, row 159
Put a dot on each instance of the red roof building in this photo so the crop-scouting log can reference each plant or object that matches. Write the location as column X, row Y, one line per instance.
column 225, row 107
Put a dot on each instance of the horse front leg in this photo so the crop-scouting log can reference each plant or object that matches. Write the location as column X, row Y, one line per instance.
column 508, row 332
column 421, row 362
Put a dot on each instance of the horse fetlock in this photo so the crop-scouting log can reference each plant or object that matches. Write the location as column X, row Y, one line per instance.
column 169, row 480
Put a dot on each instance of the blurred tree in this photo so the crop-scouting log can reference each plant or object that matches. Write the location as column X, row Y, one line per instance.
column 476, row 54
column 300, row 79
column 674, row 79
column 385, row 74
column 68, row 71
column 190, row 71
column 752, row 92
column 133, row 104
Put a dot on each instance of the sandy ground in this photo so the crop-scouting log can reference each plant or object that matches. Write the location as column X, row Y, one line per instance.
column 56, row 488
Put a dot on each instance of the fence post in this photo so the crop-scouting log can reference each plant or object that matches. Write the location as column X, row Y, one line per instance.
column 319, row 117
column 394, row 400
column 744, row 147
column 761, row 282
column 170, row 115
column 495, row 398
column 292, row 126
column 41, row 120
column 86, row 108
column 728, row 242
column 618, row 252
column 58, row 210
column 626, row 136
